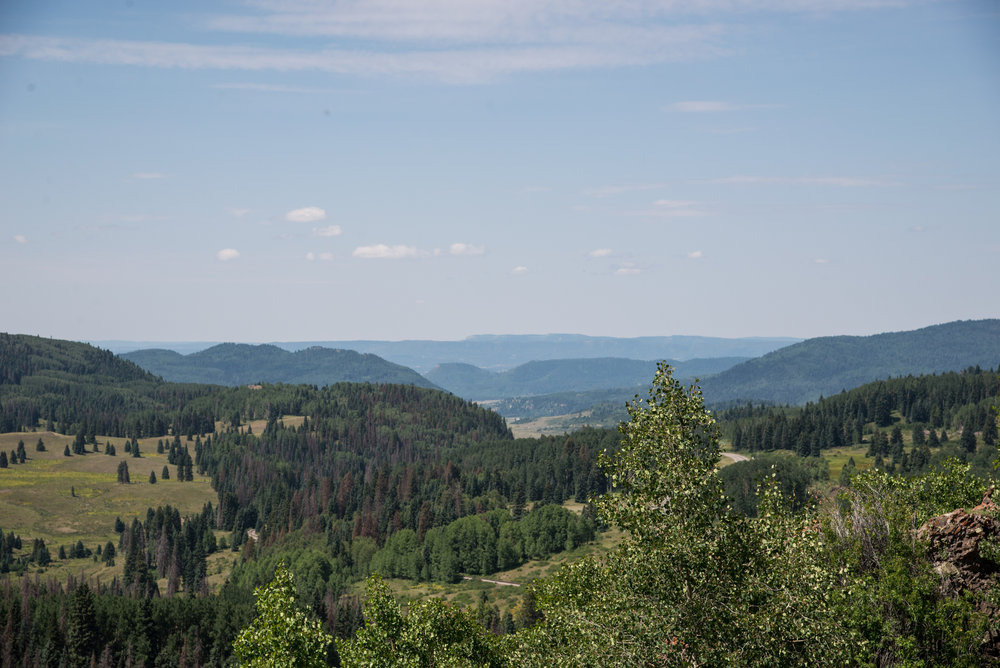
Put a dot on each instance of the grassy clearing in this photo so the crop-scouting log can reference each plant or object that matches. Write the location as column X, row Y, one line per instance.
column 63, row 500
column 468, row 593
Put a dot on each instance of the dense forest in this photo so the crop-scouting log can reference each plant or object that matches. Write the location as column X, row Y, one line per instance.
column 826, row 365
column 414, row 483
column 243, row 364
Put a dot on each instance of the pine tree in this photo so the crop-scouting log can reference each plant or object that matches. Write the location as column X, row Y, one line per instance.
column 152, row 477
column 165, row 475
column 968, row 439
column 66, row 452
column 3, row 460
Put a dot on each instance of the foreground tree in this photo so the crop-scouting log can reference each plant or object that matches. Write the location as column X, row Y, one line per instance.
column 432, row 633
column 692, row 584
column 283, row 635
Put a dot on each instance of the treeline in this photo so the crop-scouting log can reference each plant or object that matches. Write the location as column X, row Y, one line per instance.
column 960, row 401
column 43, row 623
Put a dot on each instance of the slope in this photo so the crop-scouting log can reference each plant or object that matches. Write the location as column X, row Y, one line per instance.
column 564, row 375
column 823, row 366
column 242, row 364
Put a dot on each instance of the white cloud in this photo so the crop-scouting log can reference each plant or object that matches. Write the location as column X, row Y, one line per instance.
column 20, row 238
column 329, row 231
column 712, row 106
column 520, row 269
column 821, row 260
column 310, row 256
column 325, row 257
column 598, row 45
column 627, row 269
column 309, row 214
column 466, row 249
column 702, row 106
column 611, row 191
column 695, row 255
column 272, row 88
column 600, row 252
column 239, row 212
column 145, row 176
column 384, row 252
column 670, row 208
column 227, row 254
column 461, row 42
column 837, row 181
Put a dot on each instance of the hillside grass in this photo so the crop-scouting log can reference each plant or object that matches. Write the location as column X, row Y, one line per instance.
column 37, row 497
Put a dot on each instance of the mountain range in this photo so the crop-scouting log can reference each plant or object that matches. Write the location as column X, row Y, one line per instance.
column 242, row 364
column 564, row 375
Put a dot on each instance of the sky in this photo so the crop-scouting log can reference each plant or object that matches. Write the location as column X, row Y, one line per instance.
column 288, row 170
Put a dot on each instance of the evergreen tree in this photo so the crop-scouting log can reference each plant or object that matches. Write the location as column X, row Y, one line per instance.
column 990, row 431
column 165, row 475
column 152, row 477
column 3, row 460
column 968, row 439
column 123, row 473
column 66, row 452
column 40, row 446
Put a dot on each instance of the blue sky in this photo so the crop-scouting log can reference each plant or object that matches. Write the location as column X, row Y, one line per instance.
column 268, row 170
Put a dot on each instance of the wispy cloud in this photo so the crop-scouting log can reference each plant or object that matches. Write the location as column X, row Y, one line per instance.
column 466, row 249
column 20, row 238
column 713, row 106
column 695, row 255
column 384, row 252
column 325, row 257
column 227, row 254
column 273, row 88
column 328, row 231
column 627, row 269
column 309, row 214
column 142, row 176
column 670, row 208
column 520, row 269
column 611, row 191
column 600, row 252
column 474, row 63
column 239, row 212
column 821, row 260
column 837, row 181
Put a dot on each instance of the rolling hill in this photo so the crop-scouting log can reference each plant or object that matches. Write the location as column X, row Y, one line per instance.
column 826, row 365
column 563, row 376
column 242, row 364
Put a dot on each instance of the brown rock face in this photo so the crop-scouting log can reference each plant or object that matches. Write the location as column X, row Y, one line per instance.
column 957, row 547
column 955, row 541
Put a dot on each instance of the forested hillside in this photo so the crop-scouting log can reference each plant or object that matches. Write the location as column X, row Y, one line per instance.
column 242, row 364
column 823, row 366
column 351, row 479
column 961, row 402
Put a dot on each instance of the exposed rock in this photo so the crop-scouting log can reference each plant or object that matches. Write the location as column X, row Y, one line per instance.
column 959, row 545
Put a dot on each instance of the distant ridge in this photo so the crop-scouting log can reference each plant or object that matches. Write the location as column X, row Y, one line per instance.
column 500, row 352
column 242, row 364
column 563, row 375
column 823, row 366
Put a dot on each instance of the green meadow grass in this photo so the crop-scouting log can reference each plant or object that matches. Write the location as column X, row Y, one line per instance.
column 63, row 500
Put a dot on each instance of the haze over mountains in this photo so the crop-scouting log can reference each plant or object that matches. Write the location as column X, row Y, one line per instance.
column 796, row 373
column 502, row 352
column 242, row 364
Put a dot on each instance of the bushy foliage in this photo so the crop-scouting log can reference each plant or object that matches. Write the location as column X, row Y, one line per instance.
column 432, row 633
column 282, row 635
column 692, row 584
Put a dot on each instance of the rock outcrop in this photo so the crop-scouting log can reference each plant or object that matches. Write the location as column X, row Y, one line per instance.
column 964, row 547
